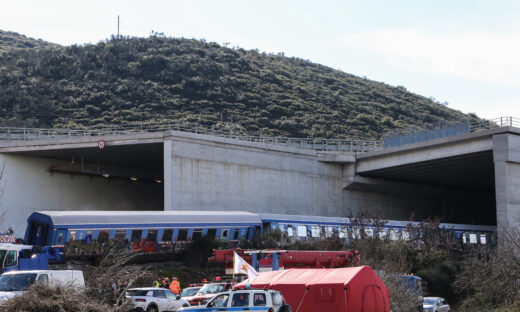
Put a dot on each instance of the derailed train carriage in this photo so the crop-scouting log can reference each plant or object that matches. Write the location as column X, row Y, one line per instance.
column 70, row 234
column 91, row 233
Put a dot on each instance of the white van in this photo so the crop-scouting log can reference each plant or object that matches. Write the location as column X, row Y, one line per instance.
column 14, row 283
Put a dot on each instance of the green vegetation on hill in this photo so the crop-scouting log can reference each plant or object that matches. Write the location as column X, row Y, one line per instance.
column 136, row 80
column 10, row 41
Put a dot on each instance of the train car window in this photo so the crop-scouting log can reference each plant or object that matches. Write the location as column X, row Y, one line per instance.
column 120, row 235
column 483, row 239
column 236, row 234
column 136, row 236
column 59, row 239
column 464, row 238
column 382, row 234
column 152, row 235
column 369, row 232
column 103, row 236
column 315, row 231
column 212, row 233
column 248, row 233
column 329, row 230
column 197, row 234
column 302, row 231
column 225, row 234
column 290, row 231
column 72, row 236
column 183, row 235
column 343, row 232
column 167, row 235
column 88, row 237
column 405, row 235
column 393, row 234
column 472, row 238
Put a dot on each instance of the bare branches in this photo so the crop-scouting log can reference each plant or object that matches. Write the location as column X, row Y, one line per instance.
column 116, row 272
column 491, row 276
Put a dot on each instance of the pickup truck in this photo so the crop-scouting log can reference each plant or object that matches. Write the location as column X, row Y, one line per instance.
column 244, row 300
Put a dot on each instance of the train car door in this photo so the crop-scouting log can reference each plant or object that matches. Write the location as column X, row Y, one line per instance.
column 59, row 238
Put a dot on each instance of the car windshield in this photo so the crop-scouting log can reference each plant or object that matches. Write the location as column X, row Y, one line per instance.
column 429, row 301
column 189, row 292
column 211, row 289
column 136, row 292
column 16, row 282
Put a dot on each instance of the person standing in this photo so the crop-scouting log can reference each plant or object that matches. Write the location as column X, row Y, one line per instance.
column 175, row 287
column 166, row 283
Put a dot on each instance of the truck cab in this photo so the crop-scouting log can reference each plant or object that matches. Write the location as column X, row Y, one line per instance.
column 14, row 257
column 244, row 300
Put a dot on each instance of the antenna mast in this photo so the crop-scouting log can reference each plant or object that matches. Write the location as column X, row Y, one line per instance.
column 118, row 27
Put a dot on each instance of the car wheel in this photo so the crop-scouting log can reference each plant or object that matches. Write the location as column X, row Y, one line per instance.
column 152, row 308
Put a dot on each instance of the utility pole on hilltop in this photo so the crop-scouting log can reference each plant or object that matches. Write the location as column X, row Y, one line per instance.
column 118, row 27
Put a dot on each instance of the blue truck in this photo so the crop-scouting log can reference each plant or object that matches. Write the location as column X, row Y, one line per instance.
column 15, row 257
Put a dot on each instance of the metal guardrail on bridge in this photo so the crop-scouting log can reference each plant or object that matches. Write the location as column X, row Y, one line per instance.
column 234, row 131
column 226, row 131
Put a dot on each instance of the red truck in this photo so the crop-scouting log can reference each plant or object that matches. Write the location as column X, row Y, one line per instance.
column 289, row 259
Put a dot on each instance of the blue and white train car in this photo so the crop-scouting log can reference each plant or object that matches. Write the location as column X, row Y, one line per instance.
column 87, row 233
column 313, row 228
column 91, row 233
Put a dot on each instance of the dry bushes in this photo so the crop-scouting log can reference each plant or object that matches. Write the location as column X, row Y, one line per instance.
column 115, row 273
column 45, row 299
column 490, row 279
column 106, row 284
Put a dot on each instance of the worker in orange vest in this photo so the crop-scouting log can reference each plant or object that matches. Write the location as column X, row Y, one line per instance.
column 175, row 287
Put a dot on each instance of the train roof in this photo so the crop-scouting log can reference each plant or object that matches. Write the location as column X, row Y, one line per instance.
column 144, row 217
column 302, row 219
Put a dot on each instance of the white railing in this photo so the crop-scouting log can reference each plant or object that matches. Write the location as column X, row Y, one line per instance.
column 494, row 123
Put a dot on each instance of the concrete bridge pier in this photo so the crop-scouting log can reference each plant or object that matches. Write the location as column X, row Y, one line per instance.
column 506, row 156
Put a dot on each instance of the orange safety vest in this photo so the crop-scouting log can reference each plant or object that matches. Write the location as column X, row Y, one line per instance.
column 175, row 287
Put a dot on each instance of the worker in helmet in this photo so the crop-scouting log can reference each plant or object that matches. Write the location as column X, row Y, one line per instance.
column 166, row 283
column 175, row 287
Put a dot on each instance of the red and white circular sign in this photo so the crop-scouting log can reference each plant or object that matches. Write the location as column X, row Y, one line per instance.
column 101, row 144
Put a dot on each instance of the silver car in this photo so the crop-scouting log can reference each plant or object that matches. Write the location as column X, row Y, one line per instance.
column 152, row 299
column 435, row 304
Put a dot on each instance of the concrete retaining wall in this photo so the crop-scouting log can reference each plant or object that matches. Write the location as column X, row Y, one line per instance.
column 217, row 177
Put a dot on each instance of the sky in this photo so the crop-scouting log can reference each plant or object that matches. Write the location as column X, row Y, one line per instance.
column 462, row 52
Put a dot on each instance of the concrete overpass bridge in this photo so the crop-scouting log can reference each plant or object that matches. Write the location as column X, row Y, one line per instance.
column 471, row 178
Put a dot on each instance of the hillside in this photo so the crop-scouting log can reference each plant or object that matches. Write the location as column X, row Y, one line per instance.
column 141, row 79
column 10, row 41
